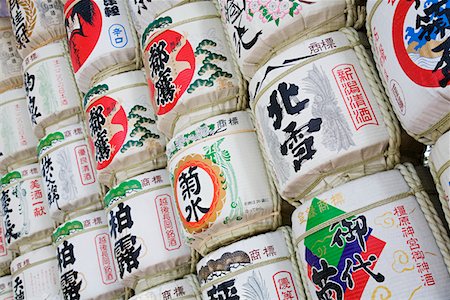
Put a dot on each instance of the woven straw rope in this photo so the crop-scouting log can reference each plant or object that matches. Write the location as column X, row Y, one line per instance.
column 434, row 132
column 441, row 192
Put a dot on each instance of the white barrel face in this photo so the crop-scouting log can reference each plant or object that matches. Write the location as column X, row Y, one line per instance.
column 10, row 60
column 85, row 256
column 190, row 68
column 68, row 171
column 25, row 207
column 217, row 185
column 261, row 266
column 377, row 243
column 185, row 288
column 100, row 38
column 413, row 62
column 6, row 291
column 143, row 202
column 317, row 113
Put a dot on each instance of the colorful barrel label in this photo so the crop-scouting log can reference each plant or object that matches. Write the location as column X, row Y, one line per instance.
column 50, row 86
column 10, row 61
column 35, row 22
column 177, row 289
column 85, row 258
column 122, row 122
column 189, row 60
column 94, row 29
column 321, row 113
column 66, row 152
column 256, row 27
column 413, row 57
column 263, row 270
column 143, row 202
column 216, row 184
column 386, row 251
column 24, row 205
column 35, row 275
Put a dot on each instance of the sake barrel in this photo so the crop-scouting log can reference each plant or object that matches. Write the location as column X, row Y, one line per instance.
column 122, row 128
column 372, row 238
column 5, row 254
column 146, row 258
column 260, row 267
column 101, row 40
column 258, row 29
column 323, row 117
column 191, row 72
column 16, row 136
column 50, row 87
column 36, row 23
column 69, row 176
column 6, row 292
column 222, row 192
column 86, row 260
column 145, row 12
column 25, row 209
column 35, row 275
column 186, row 288
column 10, row 61
column 412, row 58
column 440, row 169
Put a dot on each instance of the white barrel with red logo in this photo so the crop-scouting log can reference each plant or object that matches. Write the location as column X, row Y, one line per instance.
column 191, row 71
column 5, row 254
column 259, row 29
column 157, row 255
column 50, row 86
column 144, row 12
column 34, row 275
column 186, row 288
column 26, row 217
column 440, row 169
column 377, row 237
column 10, row 61
column 122, row 128
column 323, row 117
column 411, row 41
column 221, row 187
column 68, row 172
column 36, row 23
column 260, row 267
column 17, row 141
column 6, row 291
column 102, row 41
column 86, row 258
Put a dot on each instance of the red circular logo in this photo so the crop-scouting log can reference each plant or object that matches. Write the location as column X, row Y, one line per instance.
column 171, row 62
column 84, row 25
column 411, row 41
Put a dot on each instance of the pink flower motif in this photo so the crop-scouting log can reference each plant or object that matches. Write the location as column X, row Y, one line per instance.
column 264, row 2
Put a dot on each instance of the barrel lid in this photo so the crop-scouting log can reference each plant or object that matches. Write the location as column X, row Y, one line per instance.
column 20, row 174
column 48, row 51
column 12, row 95
column 77, row 225
column 63, row 135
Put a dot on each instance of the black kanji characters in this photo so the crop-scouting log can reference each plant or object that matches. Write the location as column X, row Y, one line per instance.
column 7, row 210
column 99, row 134
column 127, row 254
column 19, row 292
column 349, row 230
column 327, row 289
column 158, row 58
column 351, row 267
column 165, row 87
column 223, row 291
column 71, row 285
column 47, row 174
column 65, row 255
column 141, row 5
column 190, row 186
column 29, row 81
column 18, row 20
column 111, row 8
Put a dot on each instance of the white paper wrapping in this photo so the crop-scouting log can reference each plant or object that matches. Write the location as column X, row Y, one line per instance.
column 146, row 11
column 122, row 128
column 69, row 175
column 261, row 267
column 86, row 260
column 4, row 11
column 221, row 187
column 16, row 136
column 25, row 211
column 185, row 288
column 101, row 40
column 5, row 254
column 10, row 61
column 322, row 115
column 35, row 275
column 412, row 59
column 373, row 242
column 259, row 28
column 133, row 207
column 50, row 86
column 190, row 69
column 36, row 23
column 6, row 292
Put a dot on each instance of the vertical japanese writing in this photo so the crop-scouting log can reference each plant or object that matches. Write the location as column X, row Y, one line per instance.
column 37, row 198
column 167, row 222
column 19, row 292
column 111, row 8
column 190, row 187
column 99, row 134
column 29, row 81
column 7, row 210
column 70, row 281
column 105, row 257
column 19, row 22
column 285, row 286
column 223, row 291
column 84, row 165
column 141, row 5
column 47, row 174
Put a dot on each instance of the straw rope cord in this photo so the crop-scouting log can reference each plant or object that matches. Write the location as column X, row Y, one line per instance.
column 436, row 176
column 193, row 281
